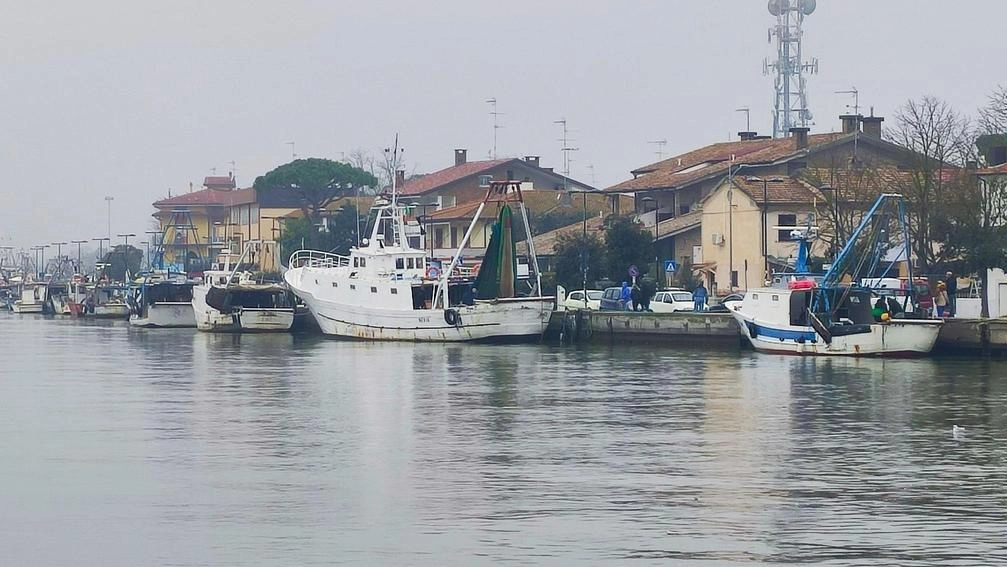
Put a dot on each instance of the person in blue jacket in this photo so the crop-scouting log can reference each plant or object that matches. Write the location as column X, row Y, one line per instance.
column 699, row 298
column 625, row 296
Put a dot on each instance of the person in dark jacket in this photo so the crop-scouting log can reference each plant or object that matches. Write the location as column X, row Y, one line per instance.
column 634, row 296
column 951, row 284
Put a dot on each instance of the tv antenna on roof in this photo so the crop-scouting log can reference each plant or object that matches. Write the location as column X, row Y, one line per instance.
column 293, row 154
column 660, row 147
column 856, row 99
column 496, row 125
column 566, row 149
column 748, row 117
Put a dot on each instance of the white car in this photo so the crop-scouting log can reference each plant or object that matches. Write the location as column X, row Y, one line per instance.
column 575, row 299
column 672, row 300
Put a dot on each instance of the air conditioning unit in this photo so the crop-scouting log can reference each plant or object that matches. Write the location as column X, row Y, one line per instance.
column 718, row 239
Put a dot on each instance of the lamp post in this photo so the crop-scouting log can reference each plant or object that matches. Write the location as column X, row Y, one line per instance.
column 765, row 214
column 78, row 243
column 42, row 248
column 152, row 238
column 108, row 202
column 583, row 243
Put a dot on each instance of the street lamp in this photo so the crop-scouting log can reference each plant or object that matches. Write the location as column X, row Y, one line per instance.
column 583, row 242
column 765, row 213
column 152, row 238
column 108, row 201
column 78, row 243
column 657, row 234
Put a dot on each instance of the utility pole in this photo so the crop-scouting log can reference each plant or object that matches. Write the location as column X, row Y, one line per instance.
column 108, row 201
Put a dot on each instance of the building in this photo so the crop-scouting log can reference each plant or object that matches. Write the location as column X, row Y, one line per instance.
column 670, row 196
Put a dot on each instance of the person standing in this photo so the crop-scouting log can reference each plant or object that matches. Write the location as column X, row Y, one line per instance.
column 635, row 296
column 625, row 296
column 941, row 299
column 951, row 282
column 699, row 298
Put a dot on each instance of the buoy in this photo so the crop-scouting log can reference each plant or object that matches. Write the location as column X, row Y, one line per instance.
column 433, row 272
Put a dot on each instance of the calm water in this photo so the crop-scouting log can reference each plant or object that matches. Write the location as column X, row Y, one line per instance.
column 129, row 447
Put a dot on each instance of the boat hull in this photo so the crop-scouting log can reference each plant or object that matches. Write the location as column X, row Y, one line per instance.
column 896, row 338
column 244, row 320
column 26, row 308
column 502, row 319
column 165, row 314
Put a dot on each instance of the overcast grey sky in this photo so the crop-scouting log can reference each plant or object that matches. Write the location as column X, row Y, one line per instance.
column 129, row 99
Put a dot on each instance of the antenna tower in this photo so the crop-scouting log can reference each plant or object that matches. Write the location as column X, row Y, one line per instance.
column 660, row 147
column 566, row 149
column 496, row 124
column 791, row 106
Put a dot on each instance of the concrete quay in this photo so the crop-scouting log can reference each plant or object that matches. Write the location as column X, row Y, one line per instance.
column 577, row 325
column 971, row 336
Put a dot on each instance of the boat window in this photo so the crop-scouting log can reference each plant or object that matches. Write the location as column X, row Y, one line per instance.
column 356, row 262
column 776, row 298
column 395, row 291
column 410, row 264
column 374, row 289
column 363, row 262
column 353, row 286
column 400, row 263
column 755, row 296
column 335, row 284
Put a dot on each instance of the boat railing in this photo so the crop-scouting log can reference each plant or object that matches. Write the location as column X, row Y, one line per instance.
column 317, row 259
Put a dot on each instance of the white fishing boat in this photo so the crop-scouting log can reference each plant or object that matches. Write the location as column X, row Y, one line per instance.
column 232, row 301
column 162, row 301
column 839, row 315
column 30, row 299
column 98, row 300
column 387, row 290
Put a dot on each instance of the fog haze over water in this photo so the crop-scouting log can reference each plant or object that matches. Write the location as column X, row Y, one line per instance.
column 173, row 447
column 132, row 99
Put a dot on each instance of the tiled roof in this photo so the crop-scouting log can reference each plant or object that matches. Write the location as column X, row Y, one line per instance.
column 432, row 181
column 686, row 168
column 209, row 197
column 787, row 190
column 677, row 225
column 465, row 211
column 545, row 243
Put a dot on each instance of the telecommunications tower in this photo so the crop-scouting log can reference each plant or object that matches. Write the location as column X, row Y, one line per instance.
column 791, row 105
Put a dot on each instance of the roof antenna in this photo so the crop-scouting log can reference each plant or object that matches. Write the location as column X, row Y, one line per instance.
column 748, row 117
column 566, row 149
column 496, row 125
column 660, row 147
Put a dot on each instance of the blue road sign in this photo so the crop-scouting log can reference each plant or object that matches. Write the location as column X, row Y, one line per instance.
column 670, row 266
column 633, row 272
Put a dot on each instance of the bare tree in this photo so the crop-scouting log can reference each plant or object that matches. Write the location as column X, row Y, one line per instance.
column 938, row 141
column 993, row 116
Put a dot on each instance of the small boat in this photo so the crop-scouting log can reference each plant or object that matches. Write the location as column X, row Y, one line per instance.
column 31, row 298
column 57, row 298
column 98, row 300
column 388, row 290
column 232, row 301
column 162, row 300
column 839, row 315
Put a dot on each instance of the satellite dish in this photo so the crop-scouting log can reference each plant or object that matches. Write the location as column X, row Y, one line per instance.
column 808, row 6
column 775, row 7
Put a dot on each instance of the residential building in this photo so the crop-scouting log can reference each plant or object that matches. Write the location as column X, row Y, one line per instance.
column 670, row 195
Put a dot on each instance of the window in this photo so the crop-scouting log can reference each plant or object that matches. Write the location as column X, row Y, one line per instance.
column 356, row 262
column 786, row 220
column 484, row 180
column 454, row 236
column 374, row 289
column 776, row 298
column 734, row 278
column 410, row 264
column 353, row 286
column 400, row 263
column 335, row 284
column 395, row 291
column 363, row 262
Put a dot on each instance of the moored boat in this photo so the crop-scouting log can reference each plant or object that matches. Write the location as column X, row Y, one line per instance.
column 161, row 301
column 839, row 315
column 387, row 290
column 232, row 301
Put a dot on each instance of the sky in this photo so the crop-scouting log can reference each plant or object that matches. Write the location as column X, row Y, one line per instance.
column 135, row 99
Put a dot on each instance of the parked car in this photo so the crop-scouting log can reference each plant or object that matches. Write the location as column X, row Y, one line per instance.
column 667, row 301
column 610, row 300
column 727, row 303
column 575, row 299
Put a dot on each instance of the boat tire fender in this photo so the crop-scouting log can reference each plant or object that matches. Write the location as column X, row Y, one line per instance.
column 451, row 317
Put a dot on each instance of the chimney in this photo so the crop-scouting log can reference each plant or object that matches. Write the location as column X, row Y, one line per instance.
column 851, row 123
column 800, row 134
column 746, row 136
column 461, row 156
column 531, row 160
column 872, row 126
column 400, row 177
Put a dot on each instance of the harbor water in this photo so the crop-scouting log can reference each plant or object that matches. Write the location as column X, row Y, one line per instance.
column 126, row 446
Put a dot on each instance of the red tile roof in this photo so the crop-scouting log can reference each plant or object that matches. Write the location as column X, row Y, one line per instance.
column 465, row 211
column 994, row 170
column 426, row 183
column 787, row 190
column 689, row 167
column 218, row 182
column 205, row 197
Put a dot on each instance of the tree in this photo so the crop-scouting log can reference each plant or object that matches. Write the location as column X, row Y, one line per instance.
column 314, row 183
column 627, row 243
column 938, row 139
column 993, row 116
column 120, row 259
column 335, row 233
column 572, row 253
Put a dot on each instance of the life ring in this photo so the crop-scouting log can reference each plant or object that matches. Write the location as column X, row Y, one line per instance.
column 451, row 317
column 433, row 272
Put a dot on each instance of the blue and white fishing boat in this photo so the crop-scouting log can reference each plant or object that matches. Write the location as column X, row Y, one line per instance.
column 837, row 315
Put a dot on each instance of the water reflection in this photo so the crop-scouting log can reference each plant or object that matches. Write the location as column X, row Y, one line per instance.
column 185, row 448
